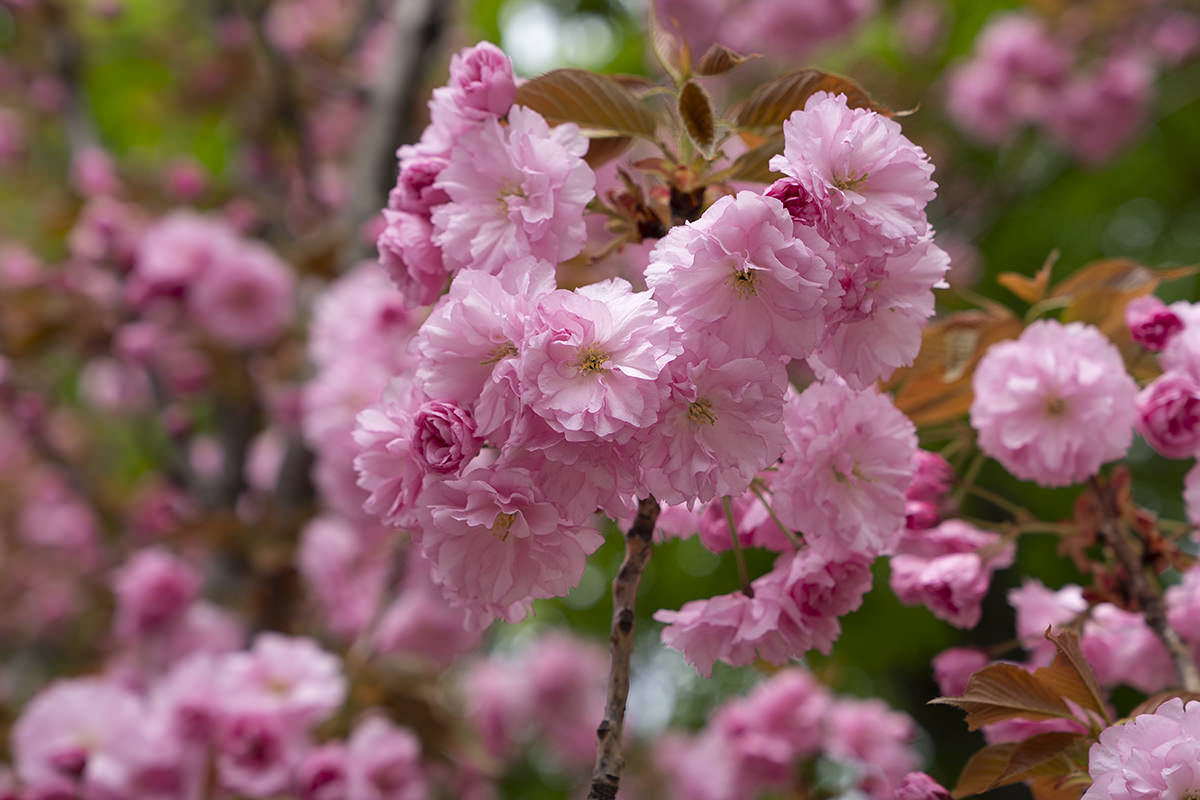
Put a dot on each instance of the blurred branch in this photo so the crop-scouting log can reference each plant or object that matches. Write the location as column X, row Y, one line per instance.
column 65, row 51
column 1143, row 589
column 606, row 777
column 418, row 26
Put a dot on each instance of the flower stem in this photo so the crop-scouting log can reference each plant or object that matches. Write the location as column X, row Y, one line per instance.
column 756, row 487
column 738, row 557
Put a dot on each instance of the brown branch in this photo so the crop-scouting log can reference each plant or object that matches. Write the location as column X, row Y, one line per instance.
column 418, row 26
column 1144, row 589
column 606, row 776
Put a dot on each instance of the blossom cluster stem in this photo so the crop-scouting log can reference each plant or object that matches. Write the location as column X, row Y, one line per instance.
column 606, row 776
column 1145, row 590
column 743, row 574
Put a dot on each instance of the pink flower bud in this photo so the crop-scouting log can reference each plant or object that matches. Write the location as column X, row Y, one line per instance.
column 445, row 437
column 1151, row 323
column 919, row 786
column 1169, row 415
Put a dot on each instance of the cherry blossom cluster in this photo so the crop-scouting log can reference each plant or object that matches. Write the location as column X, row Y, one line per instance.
column 775, row 28
column 1154, row 754
column 760, row 743
column 1025, row 72
column 182, row 705
column 530, row 407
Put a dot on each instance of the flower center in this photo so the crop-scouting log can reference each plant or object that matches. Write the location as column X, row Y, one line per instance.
column 701, row 412
column 501, row 352
column 1056, row 406
column 849, row 182
column 745, row 282
column 502, row 526
column 592, row 360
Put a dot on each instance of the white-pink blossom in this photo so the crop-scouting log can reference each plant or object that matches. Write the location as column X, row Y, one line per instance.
column 1055, row 404
column 843, row 478
column 590, row 362
column 857, row 165
column 515, row 191
column 745, row 274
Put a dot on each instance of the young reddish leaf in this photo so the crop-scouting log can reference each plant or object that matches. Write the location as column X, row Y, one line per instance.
column 1070, row 788
column 752, row 165
column 1000, row 692
column 601, row 151
column 772, row 103
column 696, row 112
column 671, row 48
column 1071, row 676
column 1045, row 755
column 599, row 105
column 1029, row 289
column 719, row 59
column 937, row 387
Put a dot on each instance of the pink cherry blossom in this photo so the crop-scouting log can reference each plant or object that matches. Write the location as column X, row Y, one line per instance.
column 472, row 339
column 876, row 739
column 843, row 478
column 590, row 363
column 495, row 544
column 877, row 312
column 388, row 465
column 81, row 728
column 1169, row 414
column 746, row 275
column 514, row 191
column 872, row 182
column 414, row 263
column 948, row 569
column 1152, row 755
column 954, row 667
column 289, row 677
column 244, row 299
column 420, row 623
column 1151, row 323
column 385, row 762
column 1055, row 404
column 721, row 423
column 1037, row 608
column 153, row 590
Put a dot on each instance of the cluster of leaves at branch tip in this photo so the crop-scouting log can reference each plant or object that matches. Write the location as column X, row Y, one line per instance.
column 1055, row 763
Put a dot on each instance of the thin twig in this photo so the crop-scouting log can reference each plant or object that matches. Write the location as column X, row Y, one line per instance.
column 1144, row 589
column 756, row 487
column 606, row 776
column 743, row 575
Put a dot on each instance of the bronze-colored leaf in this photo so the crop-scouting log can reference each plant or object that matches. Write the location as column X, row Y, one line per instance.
column 1029, row 289
column 1121, row 274
column 1071, row 676
column 752, row 165
column 719, row 59
column 601, row 151
column 1058, row 788
column 1000, row 692
column 1043, row 756
column 599, row 105
column 1151, row 704
column 670, row 47
column 937, row 387
column 772, row 103
column 696, row 112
